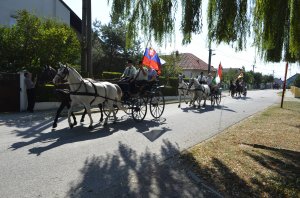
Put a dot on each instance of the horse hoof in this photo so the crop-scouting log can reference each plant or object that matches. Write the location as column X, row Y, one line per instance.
column 54, row 125
column 91, row 127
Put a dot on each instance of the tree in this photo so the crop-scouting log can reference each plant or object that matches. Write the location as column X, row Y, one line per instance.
column 275, row 24
column 34, row 42
column 257, row 77
column 110, row 41
column 170, row 68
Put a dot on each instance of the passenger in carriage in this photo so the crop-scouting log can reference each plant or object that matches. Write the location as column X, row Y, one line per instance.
column 141, row 77
column 212, row 86
column 202, row 79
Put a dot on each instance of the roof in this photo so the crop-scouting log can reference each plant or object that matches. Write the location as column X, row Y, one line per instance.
column 190, row 61
column 75, row 21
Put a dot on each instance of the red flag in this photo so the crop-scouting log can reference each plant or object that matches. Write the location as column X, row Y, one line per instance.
column 220, row 71
column 152, row 60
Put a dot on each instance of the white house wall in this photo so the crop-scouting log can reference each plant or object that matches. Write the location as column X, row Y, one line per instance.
column 43, row 8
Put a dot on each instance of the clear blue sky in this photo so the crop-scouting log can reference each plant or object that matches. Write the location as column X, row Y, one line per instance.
column 223, row 53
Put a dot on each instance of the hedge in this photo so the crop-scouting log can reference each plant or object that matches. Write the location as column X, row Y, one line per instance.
column 46, row 93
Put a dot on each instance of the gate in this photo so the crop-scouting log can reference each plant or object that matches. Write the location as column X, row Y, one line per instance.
column 9, row 92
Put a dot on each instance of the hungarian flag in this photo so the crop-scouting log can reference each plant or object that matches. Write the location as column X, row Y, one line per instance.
column 218, row 77
column 152, row 60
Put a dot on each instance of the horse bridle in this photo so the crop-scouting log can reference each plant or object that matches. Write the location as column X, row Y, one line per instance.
column 65, row 73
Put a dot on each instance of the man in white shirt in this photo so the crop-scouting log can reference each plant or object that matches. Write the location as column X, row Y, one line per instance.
column 129, row 72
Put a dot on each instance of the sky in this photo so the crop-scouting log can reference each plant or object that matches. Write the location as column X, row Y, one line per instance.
column 224, row 54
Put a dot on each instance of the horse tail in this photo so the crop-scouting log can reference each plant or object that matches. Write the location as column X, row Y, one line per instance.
column 119, row 97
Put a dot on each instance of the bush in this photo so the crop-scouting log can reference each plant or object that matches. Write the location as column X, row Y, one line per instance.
column 110, row 75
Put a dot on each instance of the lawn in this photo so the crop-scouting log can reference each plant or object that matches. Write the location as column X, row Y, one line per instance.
column 259, row 157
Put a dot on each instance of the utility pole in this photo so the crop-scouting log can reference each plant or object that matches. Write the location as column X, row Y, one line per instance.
column 86, row 38
column 83, row 38
column 253, row 68
column 89, row 38
column 209, row 60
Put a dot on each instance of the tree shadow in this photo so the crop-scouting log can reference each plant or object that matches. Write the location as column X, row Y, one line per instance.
column 285, row 164
column 219, row 176
column 125, row 173
column 56, row 138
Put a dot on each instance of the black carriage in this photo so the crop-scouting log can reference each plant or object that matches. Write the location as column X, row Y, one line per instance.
column 216, row 96
column 137, row 97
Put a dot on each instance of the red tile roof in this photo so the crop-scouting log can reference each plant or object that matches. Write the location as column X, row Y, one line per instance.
column 190, row 61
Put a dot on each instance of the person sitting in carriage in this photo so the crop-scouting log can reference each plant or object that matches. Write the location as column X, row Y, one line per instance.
column 202, row 79
column 140, row 78
column 211, row 83
column 126, row 80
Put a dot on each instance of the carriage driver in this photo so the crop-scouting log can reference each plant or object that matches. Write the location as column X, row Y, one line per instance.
column 129, row 72
column 202, row 78
column 126, row 80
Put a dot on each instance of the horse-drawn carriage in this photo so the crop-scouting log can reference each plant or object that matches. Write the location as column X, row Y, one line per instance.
column 194, row 92
column 142, row 96
column 88, row 92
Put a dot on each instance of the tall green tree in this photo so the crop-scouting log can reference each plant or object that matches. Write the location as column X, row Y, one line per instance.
column 110, row 48
column 34, row 42
column 274, row 24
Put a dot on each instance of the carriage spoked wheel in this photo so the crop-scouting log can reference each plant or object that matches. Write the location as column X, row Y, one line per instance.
column 157, row 104
column 212, row 100
column 218, row 98
column 139, row 109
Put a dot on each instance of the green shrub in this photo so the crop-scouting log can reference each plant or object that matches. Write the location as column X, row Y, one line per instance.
column 110, row 75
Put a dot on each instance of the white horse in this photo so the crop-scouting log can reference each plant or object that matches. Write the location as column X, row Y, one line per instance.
column 87, row 92
column 201, row 92
column 183, row 90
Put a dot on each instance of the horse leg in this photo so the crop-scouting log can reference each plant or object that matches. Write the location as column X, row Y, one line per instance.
column 179, row 99
column 101, row 112
column 61, row 107
column 88, row 110
column 72, row 114
column 83, row 115
column 69, row 117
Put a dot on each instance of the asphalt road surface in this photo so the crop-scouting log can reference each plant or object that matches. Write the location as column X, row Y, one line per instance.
column 125, row 159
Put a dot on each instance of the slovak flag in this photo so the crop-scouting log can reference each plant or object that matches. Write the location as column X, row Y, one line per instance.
column 152, row 60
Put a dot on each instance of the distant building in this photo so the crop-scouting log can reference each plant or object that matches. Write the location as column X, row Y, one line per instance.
column 290, row 80
column 56, row 9
column 192, row 66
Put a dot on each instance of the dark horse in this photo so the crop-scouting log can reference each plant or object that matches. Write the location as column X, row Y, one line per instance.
column 63, row 94
column 238, row 88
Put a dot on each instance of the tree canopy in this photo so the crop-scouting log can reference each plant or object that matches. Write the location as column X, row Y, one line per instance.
column 35, row 42
column 274, row 25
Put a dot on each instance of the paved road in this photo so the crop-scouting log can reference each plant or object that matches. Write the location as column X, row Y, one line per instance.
column 125, row 159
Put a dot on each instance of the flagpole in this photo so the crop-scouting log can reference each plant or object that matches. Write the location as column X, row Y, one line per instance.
column 284, row 83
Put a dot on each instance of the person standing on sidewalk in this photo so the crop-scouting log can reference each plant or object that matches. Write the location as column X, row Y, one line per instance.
column 30, row 89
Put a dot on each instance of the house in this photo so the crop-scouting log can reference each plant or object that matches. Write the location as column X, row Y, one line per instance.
column 57, row 9
column 192, row 66
column 290, row 80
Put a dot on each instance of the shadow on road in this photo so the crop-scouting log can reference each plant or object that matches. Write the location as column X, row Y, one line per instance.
column 42, row 133
column 127, row 174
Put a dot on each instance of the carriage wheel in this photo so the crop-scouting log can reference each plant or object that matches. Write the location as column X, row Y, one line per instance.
column 157, row 104
column 212, row 100
column 218, row 98
column 138, row 109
